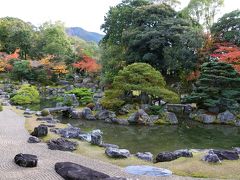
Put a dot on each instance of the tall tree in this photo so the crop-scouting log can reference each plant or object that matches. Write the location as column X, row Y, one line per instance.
column 204, row 11
column 15, row 33
column 54, row 40
column 227, row 29
column 118, row 19
column 160, row 37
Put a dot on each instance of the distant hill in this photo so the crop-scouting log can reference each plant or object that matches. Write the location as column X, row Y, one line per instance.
column 83, row 34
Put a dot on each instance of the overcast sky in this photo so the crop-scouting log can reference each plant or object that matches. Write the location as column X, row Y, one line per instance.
column 88, row 14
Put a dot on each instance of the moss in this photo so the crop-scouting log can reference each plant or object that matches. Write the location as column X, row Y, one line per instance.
column 162, row 122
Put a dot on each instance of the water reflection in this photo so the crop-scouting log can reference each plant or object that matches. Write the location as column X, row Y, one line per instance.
column 188, row 134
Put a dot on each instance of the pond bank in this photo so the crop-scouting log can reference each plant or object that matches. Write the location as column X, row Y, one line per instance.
column 183, row 166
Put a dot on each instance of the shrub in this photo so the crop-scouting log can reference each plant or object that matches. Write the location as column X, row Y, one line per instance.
column 21, row 70
column 84, row 95
column 141, row 78
column 156, row 110
column 26, row 95
column 91, row 105
column 45, row 112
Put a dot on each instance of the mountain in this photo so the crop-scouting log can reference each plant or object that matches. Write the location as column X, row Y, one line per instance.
column 83, row 34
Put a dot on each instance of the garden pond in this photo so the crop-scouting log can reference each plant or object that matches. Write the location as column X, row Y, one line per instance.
column 154, row 139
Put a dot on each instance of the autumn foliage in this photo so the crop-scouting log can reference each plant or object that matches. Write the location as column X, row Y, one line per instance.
column 87, row 64
column 228, row 53
column 60, row 69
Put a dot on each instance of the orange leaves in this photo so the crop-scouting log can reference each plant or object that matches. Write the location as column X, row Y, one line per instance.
column 60, row 69
column 193, row 75
column 87, row 64
column 228, row 53
column 14, row 55
column 4, row 66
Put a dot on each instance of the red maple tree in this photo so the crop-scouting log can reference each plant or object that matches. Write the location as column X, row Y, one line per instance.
column 228, row 53
column 88, row 64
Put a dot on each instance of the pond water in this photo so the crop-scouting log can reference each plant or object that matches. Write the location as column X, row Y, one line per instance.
column 155, row 139
column 187, row 134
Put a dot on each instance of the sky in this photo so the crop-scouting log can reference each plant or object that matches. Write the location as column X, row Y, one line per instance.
column 88, row 14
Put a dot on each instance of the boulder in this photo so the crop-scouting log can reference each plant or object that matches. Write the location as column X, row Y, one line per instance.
column 228, row 155
column 26, row 160
column 62, row 144
column 70, row 100
column 33, row 139
column 207, row 118
column 85, row 137
column 96, row 138
column 183, row 153
column 40, row 131
column 48, row 119
column 125, row 109
column 211, row 157
column 87, row 114
column 71, row 171
column 226, row 117
column 38, row 113
column 117, row 153
column 105, row 114
column 166, row 156
column 140, row 117
column 170, row 156
column 237, row 149
column 74, row 114
column 70, row 132
column 171, row 118
column 147, row 156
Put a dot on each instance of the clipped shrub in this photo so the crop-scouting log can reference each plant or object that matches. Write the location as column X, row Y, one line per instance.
column 84, row 95
column 138, row 83
column 27, row 94
column 45, row 112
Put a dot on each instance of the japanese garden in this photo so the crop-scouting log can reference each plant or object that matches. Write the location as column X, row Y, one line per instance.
column 157, row 96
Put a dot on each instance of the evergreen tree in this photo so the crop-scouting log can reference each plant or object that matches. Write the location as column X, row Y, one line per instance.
column 217, row 87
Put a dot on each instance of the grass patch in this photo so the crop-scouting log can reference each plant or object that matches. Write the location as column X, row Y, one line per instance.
column 192, row 167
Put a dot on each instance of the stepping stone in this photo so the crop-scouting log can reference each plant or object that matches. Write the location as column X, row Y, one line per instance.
column 70, row 170
column 26, row 160
column 33, row 139
column 147, row 171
